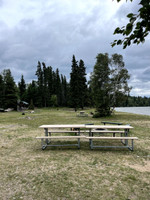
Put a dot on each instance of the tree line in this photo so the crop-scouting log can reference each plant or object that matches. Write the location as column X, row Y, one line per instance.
column 106, row 88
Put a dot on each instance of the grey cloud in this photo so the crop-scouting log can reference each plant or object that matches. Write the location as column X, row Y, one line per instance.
column 56, row 33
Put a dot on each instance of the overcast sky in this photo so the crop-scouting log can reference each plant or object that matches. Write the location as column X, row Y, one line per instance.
column 51, row 31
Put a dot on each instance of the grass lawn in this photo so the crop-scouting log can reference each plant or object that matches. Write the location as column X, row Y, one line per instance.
column 28, row 173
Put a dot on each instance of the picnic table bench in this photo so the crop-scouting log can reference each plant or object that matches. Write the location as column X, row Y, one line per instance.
column 82, row 114
column 115, row 123
column 88, row 133
column 49, row 129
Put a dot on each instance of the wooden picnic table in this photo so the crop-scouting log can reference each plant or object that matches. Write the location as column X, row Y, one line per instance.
column 114, row 129
column 88, row 132
column 61, row 128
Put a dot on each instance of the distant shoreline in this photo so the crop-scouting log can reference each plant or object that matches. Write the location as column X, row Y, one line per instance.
column 135, row 110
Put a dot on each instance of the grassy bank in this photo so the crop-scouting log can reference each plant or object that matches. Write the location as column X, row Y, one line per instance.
column 27, row 172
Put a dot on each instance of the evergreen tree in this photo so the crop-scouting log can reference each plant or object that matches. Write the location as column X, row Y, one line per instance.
column 64, row 90
column 49, row 84
column 58, row 88
column 32, row 93
column 82, row 84
column 45, row 85
column 74, row 84
column 40, row 82
column 10, row 90
column 22, row 88
column 1, row 91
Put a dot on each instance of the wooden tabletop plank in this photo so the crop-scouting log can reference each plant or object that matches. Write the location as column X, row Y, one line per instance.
column 63, row 126
column 109, row 127
column 87, row 126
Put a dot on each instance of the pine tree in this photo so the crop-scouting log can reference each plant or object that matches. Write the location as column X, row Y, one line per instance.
column 64, row 90
column 22, row 88
column 33, row 93
column 82, row 84
column 1, row 91
column 50, row 84
column 74, row 84
column 58, row 88
column 45, row 85
column 10, row 90
column 40, row 82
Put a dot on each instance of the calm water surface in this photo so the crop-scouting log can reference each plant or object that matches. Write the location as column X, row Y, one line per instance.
column 135, row 110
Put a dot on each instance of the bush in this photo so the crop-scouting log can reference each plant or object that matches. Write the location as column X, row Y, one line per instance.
column 102, row 112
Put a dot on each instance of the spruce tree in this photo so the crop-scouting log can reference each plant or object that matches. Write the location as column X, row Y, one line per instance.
column 40, row 76
column 33, row 93
column 74, row 84
column 82, row 84
column 22, row 88
column 49, row 84
column 58, row 88
column 64, row 90
column 10, row 90
column 1, row 92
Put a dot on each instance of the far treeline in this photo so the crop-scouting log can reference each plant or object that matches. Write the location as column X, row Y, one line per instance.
column 106, row 88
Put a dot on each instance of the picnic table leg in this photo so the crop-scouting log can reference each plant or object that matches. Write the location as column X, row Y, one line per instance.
column 79, row 139
column 46, row 134
column 126, row 135
column 43, row 145
column 90, row 140
column 131, row 148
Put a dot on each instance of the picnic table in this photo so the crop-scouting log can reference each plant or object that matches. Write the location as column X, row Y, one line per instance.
column 82, row 114
column 115, row 123
column 68, row 128
column 123, row 130
column 88, row 132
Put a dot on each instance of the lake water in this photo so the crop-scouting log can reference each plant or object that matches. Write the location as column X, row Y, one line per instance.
column 135, row 110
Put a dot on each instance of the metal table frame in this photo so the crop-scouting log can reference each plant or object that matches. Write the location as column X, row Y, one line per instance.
column 124, row 142
column 47, row 142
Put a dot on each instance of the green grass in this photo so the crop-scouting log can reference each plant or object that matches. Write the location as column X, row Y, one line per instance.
column 28, row 173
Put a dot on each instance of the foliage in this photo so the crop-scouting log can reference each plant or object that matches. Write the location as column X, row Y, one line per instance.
column 22, row 88
column 1, row 91
column 100, row 84
column 108, row 83
column 78, row 87
column 137, row 28
column 54, row 101
column 108, row 86
column 119, row 77
column 82, row 85
column 31, row 106
column 50, row 83
column 9, row 90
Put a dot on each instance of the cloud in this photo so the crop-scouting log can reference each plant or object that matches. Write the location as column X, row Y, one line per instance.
column 52, row 31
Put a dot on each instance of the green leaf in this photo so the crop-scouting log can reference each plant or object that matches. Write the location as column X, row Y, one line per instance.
column 117, row 30
column 130, row 15
column 129, row 28
column 119, row 42
column 113, row 44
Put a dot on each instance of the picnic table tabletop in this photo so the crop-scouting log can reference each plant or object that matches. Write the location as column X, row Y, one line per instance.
column 63, row 126
column 109, row 127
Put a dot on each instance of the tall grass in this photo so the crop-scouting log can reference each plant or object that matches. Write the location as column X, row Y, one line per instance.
column 27, row 172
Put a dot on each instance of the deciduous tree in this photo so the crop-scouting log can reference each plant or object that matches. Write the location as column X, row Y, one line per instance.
column 137, row 28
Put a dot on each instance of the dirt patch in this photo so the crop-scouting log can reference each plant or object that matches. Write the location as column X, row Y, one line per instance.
column 141, row 168
column 13, row 126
